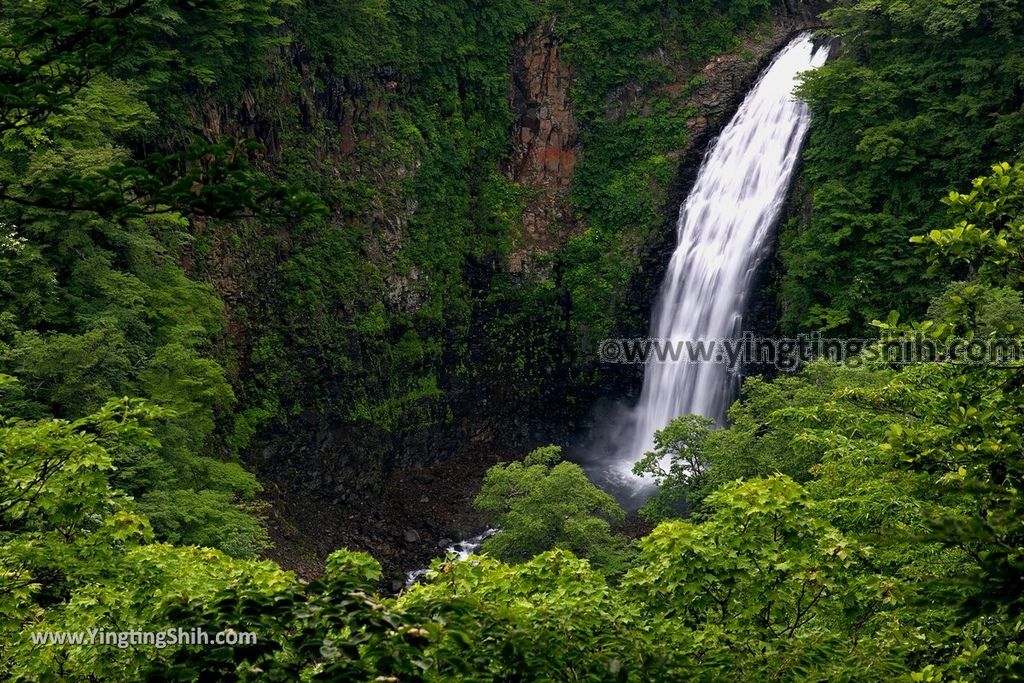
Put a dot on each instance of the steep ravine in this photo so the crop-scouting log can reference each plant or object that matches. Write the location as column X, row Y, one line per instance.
column 326, row 483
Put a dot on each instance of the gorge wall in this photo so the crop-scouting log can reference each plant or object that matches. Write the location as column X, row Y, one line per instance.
column 544, row 146
column 439, row 318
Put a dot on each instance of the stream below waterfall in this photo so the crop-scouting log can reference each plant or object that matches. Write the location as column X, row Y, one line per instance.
column 462, row 550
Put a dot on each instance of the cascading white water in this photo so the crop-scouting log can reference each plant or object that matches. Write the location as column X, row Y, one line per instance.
column 462, row 551
column 723, row 233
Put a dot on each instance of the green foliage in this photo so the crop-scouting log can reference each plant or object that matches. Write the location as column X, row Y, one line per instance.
column 677, row 464
column 974, row 441
column 988, row 236
column 774, row 428
column 922, row 94
column 764, row 582
column 56, row 52
column 619, row 187
column 612, row 42
column 495, row 615
column 762, row 540
column 206, row 518
column 374, row 304
column 331, row 629
column 853, row 523
column 976, row 309
column 548, row 456
column 543, row 504
column 92, row 301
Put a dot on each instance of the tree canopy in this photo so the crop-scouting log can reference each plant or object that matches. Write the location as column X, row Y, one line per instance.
column 855, row 521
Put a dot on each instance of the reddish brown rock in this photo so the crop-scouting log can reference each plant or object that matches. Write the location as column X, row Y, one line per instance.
column 544, row 151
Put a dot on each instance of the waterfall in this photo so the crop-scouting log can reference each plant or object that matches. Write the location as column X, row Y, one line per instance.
column 723, row 233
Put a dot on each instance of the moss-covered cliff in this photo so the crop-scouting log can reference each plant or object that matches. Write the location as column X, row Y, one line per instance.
column 501, row 189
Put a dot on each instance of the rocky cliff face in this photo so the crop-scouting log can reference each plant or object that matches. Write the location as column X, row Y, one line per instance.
column 332, row 484
column 545, row 142
column 544, row 145
column 340, row 126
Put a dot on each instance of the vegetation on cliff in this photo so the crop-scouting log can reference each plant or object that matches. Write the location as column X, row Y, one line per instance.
column 333, row 170
column 898, row 555
column 922, row 96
